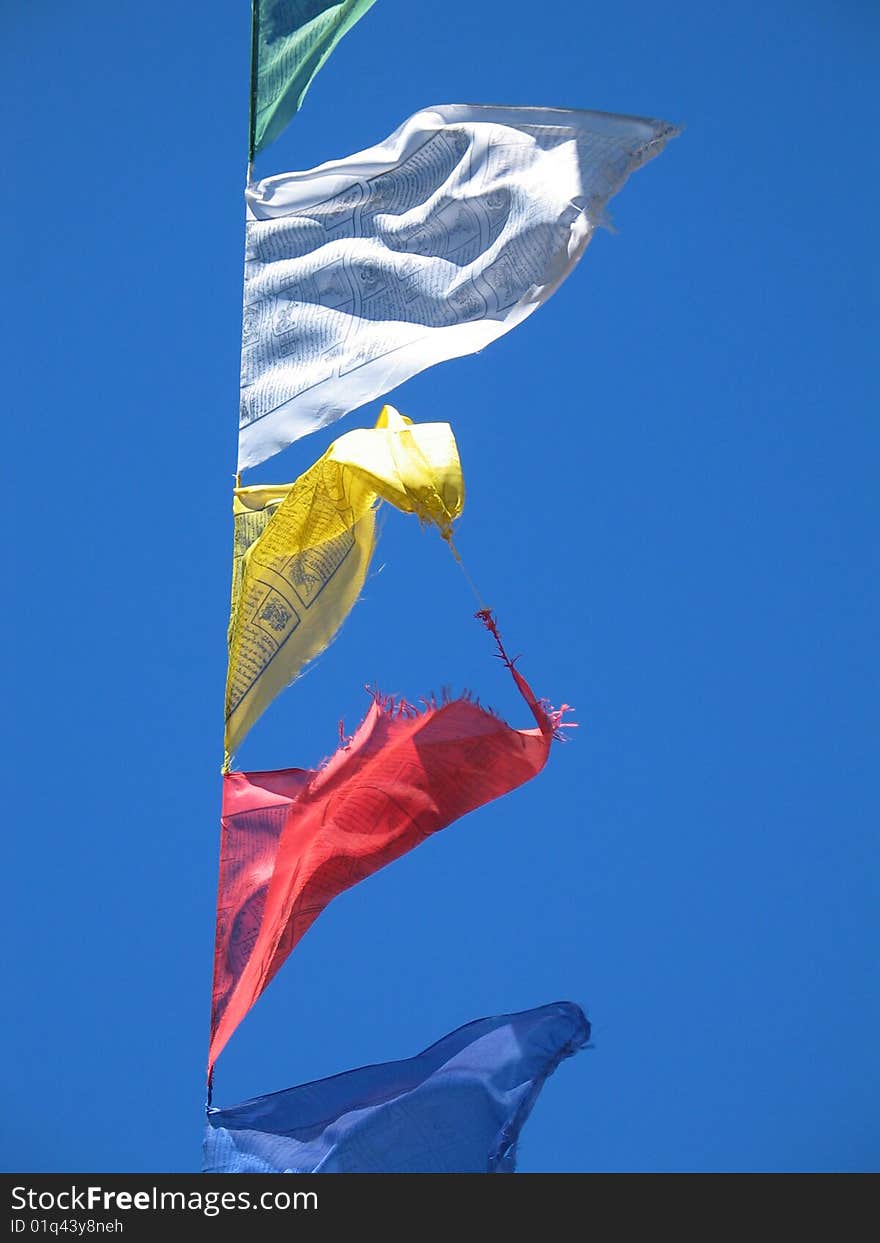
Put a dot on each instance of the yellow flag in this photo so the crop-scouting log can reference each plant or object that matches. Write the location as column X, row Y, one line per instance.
column 302, row 550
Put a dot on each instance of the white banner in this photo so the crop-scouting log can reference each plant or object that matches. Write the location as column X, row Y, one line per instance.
column 365, row 271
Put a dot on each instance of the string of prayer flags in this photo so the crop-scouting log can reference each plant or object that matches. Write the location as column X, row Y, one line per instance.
column 364, row 271
column 456, row 1108
column 291, row 40
column 302, row 550
column 291, row 841
column 359, row 274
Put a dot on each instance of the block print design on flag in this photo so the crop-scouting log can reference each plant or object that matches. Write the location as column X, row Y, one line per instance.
column 366, row 270
column 302, row 550
column 291, row 841
column 456, row 1108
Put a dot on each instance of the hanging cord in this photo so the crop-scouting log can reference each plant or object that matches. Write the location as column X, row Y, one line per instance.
column 255, row 51
column 447, row 536
column 227, row 758
column 439, row 505
column 252, row 129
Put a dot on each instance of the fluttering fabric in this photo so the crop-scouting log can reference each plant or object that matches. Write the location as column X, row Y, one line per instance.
column 364, row 271
column 302, row 550
column 292, row 840
column 456, row 1108
column 291, row 41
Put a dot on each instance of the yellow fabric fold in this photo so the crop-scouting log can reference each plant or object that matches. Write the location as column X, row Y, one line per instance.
column 302, row 550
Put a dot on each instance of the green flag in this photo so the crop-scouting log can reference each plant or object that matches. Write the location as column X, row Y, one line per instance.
column 291, row 39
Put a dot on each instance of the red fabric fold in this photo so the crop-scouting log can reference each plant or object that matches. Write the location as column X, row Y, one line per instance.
column 292, row 840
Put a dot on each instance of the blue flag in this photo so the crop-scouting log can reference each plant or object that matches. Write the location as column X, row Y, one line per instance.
column 457, row 1108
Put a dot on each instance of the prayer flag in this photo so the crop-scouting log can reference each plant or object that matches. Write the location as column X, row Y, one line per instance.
column 364, row 271
column 302, row 550
column 292, row 840
column 456, row 1108
column 291, row 40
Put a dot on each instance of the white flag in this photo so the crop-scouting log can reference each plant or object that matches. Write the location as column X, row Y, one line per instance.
column 365, row 271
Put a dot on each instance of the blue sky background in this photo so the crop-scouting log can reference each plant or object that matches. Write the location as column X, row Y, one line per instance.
column 672, row 477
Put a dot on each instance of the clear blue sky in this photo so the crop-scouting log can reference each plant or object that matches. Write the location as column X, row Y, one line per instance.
column 672, row 471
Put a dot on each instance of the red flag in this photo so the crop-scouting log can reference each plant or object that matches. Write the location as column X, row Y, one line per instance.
column 293, row 840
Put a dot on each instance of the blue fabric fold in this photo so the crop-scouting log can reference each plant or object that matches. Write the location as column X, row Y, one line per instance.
column 456, row 1108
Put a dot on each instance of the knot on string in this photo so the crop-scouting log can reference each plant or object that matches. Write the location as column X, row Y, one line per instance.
column 487, row 617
